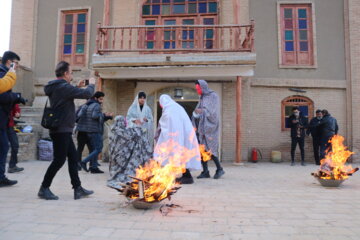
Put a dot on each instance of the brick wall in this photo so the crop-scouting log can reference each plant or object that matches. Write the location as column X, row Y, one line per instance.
column 119, row 96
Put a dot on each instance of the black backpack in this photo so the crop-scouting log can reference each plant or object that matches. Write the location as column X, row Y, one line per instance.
column 51, row 117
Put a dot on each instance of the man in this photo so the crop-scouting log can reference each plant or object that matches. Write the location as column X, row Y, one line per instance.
column 61, row 95
column 13, row 139
column 205, row 119
column 298, row 124
column 328, row 128
column 7, row 100
column 91, row 121
column 314, row 130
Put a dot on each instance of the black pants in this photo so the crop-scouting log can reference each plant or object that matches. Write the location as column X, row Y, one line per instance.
column 14, row 144
column 63, row 147
column 83, row 140
column 324, row 145
column 216, row 161
column 294, row 142
column 316, row 148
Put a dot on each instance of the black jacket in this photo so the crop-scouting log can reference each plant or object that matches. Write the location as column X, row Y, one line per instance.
column 61, row 95
column 7, row 100
column 328, row 127
column 314, row 128
column 303, row 122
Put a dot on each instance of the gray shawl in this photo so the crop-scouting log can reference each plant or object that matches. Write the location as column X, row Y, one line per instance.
column 207, row 122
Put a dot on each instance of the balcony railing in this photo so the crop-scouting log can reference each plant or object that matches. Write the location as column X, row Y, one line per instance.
column 175, row 38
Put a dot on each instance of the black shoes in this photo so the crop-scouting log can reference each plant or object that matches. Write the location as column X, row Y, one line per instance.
column 292, row 163
column 204, row 175
column 45, row 193
column 83, row 166
column 96, row 170
column 219, row 173
column 81, row 192
column 303, row 164
column 185, row 180
column 15, row 169
column 7, row 182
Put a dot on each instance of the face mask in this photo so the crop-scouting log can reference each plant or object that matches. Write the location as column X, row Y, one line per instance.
column 297, row 114
column 198, row 89
column 319, row 118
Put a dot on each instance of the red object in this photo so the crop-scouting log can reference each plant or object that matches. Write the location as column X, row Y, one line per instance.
column 198, row 89
column 14, row 110
column 254, row 155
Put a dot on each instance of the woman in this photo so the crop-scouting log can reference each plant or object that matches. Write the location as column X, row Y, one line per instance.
column 140, row 115
column 176, row 139
column 128, row 149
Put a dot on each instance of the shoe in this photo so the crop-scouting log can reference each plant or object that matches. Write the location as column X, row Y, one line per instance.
column 83, row 166
column 219, row 173
column 185, row 180
column 96, row 170
column 7, row 182
column 46, row 194
column 303, row 164
column 15, row 169
column 204, row 175
column 292, row 163
column 81, row 192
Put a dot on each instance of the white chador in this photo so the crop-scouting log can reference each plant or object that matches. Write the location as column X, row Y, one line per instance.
column 176, row 134
column 135, row 112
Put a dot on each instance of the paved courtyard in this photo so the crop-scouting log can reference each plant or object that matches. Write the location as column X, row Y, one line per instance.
column 255, row 201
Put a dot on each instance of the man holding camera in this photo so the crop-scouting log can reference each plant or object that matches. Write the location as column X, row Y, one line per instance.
column 9, row 61
column 298, row 124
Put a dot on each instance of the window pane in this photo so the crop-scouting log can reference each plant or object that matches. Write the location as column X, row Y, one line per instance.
column 150, row 45
column 289, row 46
column 209, row 44
column 170, row 22
column 150, row 35
column 184, row 35
column 209, row 33
column 146, row 10
column 156, row 1
column 165, row 1
column 155, row 9
column 179, row 1
column 68, row 39
column 191, row 44
column 208, row 21
column 212, row 7
column 184, row 44
column 302, row 13
column 82, row 18
column 67, row 49
column 81, row 28
column 188, row 22
column 167, row 35
column 179, row 8
column 80, row 48
column 191, row 34
column 288, row 13
column 192, row 7
column 289, row 35
column 165, row 9
column 68, row 28
column 166, row 45
column 303, row 35
column 289, row 24
column 69, row 18
column 150, row 22
column 304, row 46
column 202, row 7
column 80, row 38
column 302, row 24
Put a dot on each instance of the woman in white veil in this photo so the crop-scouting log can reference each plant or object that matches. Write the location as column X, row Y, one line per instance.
column 140, row 115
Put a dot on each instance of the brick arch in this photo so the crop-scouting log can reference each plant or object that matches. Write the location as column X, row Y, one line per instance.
column 295, row 101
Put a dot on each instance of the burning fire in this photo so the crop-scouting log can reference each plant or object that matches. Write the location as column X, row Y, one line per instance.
column 333, row 165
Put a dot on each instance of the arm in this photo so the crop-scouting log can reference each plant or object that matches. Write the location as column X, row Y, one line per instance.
column 96, row 112
column 8, row 98
column 79, row 93
column 7, row 82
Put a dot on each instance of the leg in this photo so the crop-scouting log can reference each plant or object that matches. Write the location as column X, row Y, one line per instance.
column 316, row 147
column 81, row 139
column 293, row 148
column 93, row 154
column 14, row 143
column 97, row 144
column 72, row 155
column 217, row 162
column 4, row 148
column 301, row 142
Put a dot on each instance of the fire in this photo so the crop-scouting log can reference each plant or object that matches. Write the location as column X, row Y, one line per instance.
column 205, row 156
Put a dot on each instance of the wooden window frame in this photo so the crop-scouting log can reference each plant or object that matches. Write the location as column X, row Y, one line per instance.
column 311, row 36
column 297, row 101
column 60, row 37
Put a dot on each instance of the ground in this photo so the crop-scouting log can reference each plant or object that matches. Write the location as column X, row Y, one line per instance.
column 255, row 201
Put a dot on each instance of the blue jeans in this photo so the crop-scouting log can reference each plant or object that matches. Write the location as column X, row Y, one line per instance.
column 97, row 145
column 4, row 148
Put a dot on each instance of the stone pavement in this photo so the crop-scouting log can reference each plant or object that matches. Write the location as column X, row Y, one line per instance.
column 255, row 201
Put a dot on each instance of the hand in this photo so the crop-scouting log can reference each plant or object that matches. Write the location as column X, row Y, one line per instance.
column 81, row 84
column 198, row 111
column 22, row 100
column 145, row 120
column 109, row 114
column 137, row 122
column 92, row 81
column 15, row 66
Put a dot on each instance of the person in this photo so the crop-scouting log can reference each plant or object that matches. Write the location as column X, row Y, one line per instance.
column 91, row 121
column 314, row 130
column 61, row 95
column 82, row 141
column 328, row 128
column 140, row 114
column 176, row 133
column 298, row 123
column 9, row 63
column 205, row 119
column 128, row 148
column 13, row 139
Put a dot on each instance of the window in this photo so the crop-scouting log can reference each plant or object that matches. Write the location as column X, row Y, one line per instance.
column 73, row 37
column 296, row 34
column 306, row 107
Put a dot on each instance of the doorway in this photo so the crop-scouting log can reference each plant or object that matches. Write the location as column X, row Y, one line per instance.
column 189, row 107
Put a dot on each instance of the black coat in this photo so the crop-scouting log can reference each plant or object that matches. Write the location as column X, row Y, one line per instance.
column 303, row 122
column 328, row 127
column 314, row 128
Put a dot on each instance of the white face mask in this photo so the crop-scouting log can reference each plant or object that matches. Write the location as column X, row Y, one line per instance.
column 319, row 118
column 296, row 114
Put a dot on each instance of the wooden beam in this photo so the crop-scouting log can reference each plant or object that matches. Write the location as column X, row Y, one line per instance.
column 238, row 120
column 106, row 20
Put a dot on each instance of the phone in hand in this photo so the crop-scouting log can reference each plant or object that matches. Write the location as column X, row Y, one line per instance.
column 12, row 65
column 86, row 82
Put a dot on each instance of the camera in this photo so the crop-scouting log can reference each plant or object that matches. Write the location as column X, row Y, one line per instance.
column 86, row 82
column 12, row 65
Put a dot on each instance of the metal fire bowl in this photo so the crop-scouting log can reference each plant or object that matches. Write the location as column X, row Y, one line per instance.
column 139, row 204
column 330, row 182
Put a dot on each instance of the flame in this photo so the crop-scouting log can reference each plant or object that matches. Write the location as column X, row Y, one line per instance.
column 205, row 156
column 334, row 161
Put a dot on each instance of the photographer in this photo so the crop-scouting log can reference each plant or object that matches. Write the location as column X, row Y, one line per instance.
column 298, row 124
column 7, row 100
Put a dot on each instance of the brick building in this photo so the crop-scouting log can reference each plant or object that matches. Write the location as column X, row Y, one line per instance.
column 294, row 53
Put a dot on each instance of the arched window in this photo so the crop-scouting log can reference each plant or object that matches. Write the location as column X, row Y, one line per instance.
column 306, row 107
column 178, row 13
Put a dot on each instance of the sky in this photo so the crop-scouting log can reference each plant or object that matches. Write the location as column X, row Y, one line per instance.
column 5, row 19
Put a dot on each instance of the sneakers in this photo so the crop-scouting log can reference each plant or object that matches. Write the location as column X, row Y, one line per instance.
column 7, row 182
column 15, row 169
column 204, row 175
column 292, row 164
column 81, row 192
column 185, row 180
column 83, row 166
column 45, row 193
column 219, row 173
column 96, row 170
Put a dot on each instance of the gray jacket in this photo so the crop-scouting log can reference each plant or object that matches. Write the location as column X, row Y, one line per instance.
column 61, row 95
column 90, row 118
